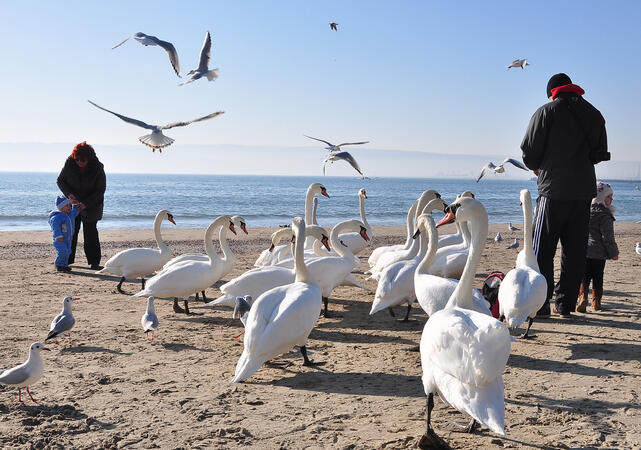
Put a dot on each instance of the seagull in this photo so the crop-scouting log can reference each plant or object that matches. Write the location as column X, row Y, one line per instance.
column 346, row 156
column 519, row 63
column 203, row 64
column 333, row 26
column 511, row 227
column 500, row 168
column 157, row 140
column 63, row 321
column 242, row 307
column 498, row 237
column 638, row 248
column 149, row 320
column 514, row 244
column 26, row 373
column 336, row 148
column 146, row 40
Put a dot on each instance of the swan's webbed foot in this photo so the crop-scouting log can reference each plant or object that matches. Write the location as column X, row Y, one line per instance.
column 325, row 312
column 526, row 335
column 416, row 348
column 430, row 440
column 306, row 361
column 391, row 312
column 119, row 287
column 470, row 427
column 407, row 314
column 205, row 300
column 177, row 308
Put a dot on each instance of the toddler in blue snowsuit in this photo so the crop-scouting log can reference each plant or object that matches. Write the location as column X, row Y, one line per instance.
column 62, row 222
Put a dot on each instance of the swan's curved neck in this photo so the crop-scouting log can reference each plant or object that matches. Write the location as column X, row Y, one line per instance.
column 302, row 274
column 159, row 242
column 410, row 224
column 308, row 205
column 361, row 200
column 209, row 245
column 228, row 255
column 528, row 248
column 335, row 242
column 432, row 245
column 314, row 208
column 462, row 295
column 465, row 232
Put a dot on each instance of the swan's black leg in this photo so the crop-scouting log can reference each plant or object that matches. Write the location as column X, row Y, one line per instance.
column 529, row 324
column 143, row 283
column 391, row 312
column 177, row 308
column 186, row 307
column 430, row 439
column 197, row 297
column 306, row 360
column 407, row 314
column 119, row 287
column 204, row 297
column 325, row 302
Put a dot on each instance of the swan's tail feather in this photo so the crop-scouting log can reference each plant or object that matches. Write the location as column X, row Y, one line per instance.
column 223, row 300
column 246, row 367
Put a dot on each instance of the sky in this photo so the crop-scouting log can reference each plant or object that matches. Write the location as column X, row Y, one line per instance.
column 410, row 76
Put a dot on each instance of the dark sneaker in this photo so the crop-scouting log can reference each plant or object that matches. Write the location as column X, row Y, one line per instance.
column 562, row 312
column 96, row 267
column 63, row 269
column 544, row 311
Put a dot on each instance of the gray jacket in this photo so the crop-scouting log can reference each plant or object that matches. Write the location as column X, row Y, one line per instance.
column 601, row 244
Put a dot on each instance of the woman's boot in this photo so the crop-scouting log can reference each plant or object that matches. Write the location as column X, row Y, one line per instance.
column 596, row 299
column 582, row 302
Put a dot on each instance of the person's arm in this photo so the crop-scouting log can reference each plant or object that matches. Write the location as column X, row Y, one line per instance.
column 98, row 193
column 533, row 145
column 607, row 234
column 62, row 183
column 56, row 228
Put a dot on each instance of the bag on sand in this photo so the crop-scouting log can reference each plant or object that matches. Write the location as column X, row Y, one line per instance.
column 491, row 291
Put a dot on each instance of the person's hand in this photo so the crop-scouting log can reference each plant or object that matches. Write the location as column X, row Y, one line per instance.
column 80, row 206
column 59, row 239
column 615, row 258
column 72, row 198
column 536, row 172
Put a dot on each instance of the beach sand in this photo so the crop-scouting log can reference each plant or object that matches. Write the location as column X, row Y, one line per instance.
column 576, row 385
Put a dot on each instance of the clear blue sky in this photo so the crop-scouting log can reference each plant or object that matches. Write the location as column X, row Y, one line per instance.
column 408, row 75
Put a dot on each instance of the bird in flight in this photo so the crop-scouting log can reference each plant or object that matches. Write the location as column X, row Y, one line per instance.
column 333, row 25
column 157, row 140
column 500, row 168
column 518, row 63
column 336, row 148
column 203, row 64
column 345, row 156
column 147, row 40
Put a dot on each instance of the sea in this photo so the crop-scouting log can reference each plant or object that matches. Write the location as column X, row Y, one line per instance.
column 132, row 200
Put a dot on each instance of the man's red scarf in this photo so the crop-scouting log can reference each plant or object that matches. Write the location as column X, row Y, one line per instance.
column 576, row 89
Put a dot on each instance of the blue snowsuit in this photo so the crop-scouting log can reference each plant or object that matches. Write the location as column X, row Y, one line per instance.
column 63, row 225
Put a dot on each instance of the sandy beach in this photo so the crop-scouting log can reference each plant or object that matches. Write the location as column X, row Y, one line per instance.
column 576, row 385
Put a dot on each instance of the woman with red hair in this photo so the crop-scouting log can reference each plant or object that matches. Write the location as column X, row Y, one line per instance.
column 83, row 181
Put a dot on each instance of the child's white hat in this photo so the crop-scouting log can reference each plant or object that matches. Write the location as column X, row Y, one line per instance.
column 61, row 202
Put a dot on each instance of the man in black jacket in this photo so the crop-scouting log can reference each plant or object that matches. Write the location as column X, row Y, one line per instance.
column 565, row 139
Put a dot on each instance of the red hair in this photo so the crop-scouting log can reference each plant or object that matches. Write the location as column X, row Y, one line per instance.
column 83, row 150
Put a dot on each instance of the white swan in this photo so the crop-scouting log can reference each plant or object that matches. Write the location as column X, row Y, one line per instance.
column 463, row 352
column 312, row 190
column 433, row 292
column 187, row 277
column 256, row 281
column 449, row 261
column 389, row 258
column 378, row 251
column 138, row 262
column 355, row 241
column 282, row 317
column 396, row 284
column 456, row 238
column 275, row 252
column 523, row 290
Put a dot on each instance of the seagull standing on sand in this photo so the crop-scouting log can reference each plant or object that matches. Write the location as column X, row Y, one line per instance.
column 498, row 237
column 518, row 63
column 500, row 168
column 146, row 40
column 638, row 248
column 26, row 373
column 511, row 227
column 336, row 148
column 149, row 320
column 157, row 140
column 514, row 244
column 333, row 25
column 203, row 64
column 345, row 156
column 64, row 321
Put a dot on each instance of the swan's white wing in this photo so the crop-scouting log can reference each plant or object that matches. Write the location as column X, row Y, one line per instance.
column 182, row 124
column 173, row 54
column 205, row 53
column 346, row 156
column 514, row 162
column 352, row 143
column 126, row 119
column 469, row 346
column 316, row 139
column 521, row 293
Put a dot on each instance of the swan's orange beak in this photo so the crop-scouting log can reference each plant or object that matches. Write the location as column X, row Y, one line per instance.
column 324, row 192
column 171, row 218
column 325, row 242
column 271, row 247
column 232, row 228
column 363, row 233
column 449, row 218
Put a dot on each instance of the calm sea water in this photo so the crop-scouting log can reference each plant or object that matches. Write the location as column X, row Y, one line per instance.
column 132, row 201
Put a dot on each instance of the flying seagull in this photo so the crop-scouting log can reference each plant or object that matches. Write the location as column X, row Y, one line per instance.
column 157, row 140
column 203, row 64
column 500, row 168
column 333, row 26
column 335, row 148
column 346, row 156
column 519, row 63
column 147, row 40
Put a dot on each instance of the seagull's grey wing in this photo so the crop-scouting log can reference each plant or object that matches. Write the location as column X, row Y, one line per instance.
column 320, row 140
column 140, row 123
column 124, row 41
column 205, row 54
column 350, row 159
column 182, row 124
column 65, row 323
column 173, row 55
column 514, row 162
column 150, row 323
column 488, row 166
column 16, row 375
column 352, row 143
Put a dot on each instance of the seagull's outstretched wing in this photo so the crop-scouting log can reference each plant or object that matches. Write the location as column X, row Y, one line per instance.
column 129, row 37
column 205, row 54
column 352, row 143
column 350, row 159
column 182, row 124
column 140, row 123
column 320, row 140
column 518, row 164
column 173, row 54
column 488, row 166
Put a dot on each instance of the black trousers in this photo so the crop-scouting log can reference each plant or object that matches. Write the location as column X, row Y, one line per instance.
column 567, row 221
column 92, row 241
column 594, row 272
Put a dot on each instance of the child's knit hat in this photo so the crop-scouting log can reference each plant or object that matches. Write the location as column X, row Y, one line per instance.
column 61, row 202
column 602, row 191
